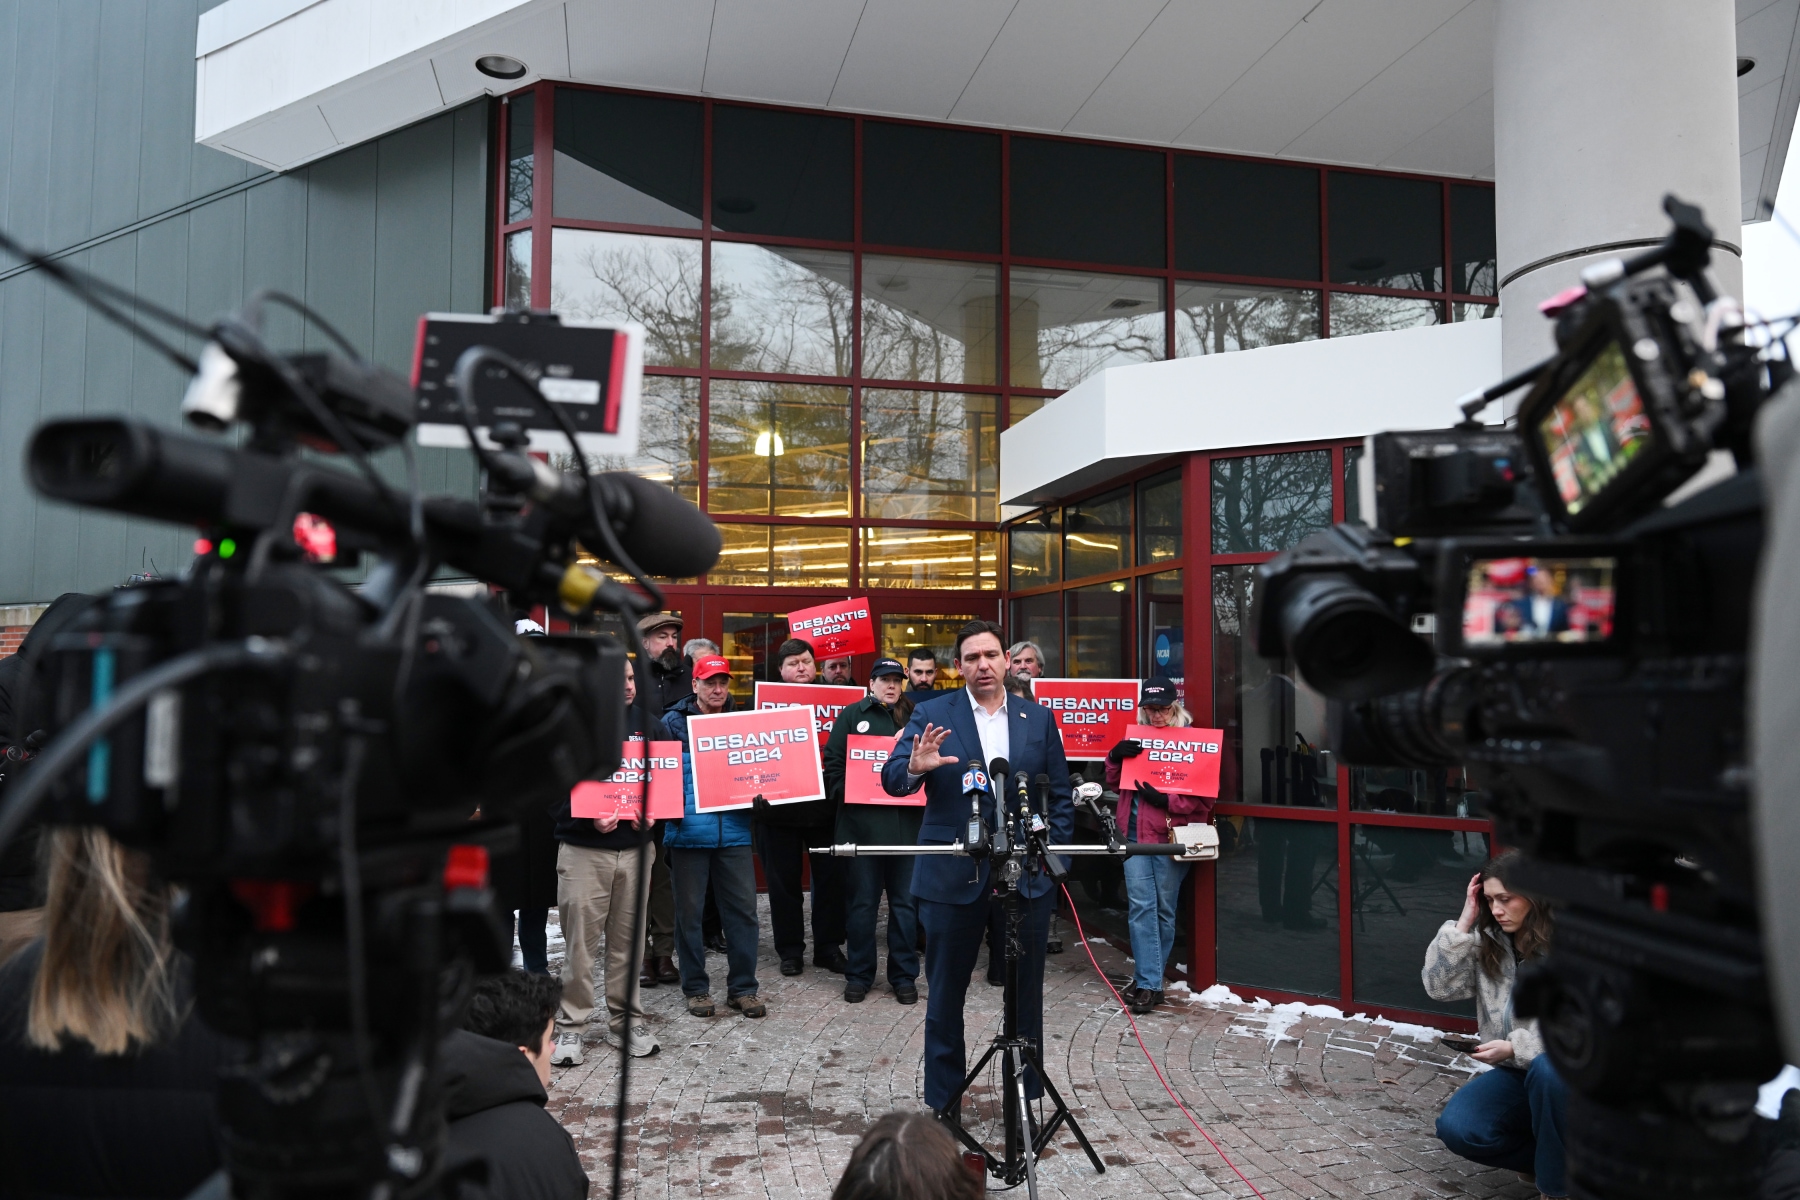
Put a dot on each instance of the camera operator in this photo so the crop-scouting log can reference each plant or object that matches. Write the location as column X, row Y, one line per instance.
column 783, row 834
column 1511, row 1117
column 711, row 848
column 1153, row 882
column 671, row 675
column 21, row 888
column 976, row 724
column 496, row 1071
column 107, row 1079
column 921, row 675
column 876, row 715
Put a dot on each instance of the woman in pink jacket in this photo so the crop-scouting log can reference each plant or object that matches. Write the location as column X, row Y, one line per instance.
column 1152, row 882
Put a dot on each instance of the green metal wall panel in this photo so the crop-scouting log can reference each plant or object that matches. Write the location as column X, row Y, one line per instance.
column 97, row 161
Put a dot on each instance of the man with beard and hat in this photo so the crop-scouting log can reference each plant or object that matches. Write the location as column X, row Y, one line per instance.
column 670, row 679
column 671, row 675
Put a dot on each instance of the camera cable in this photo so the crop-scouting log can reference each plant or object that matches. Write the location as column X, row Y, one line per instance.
column 1081, row 934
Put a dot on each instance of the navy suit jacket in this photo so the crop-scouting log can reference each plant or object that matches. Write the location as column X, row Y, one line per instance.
column 1036, row 750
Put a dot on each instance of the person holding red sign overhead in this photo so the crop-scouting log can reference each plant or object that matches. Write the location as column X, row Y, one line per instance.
column 1153, row 882
column 969, row 727
column 880, row 825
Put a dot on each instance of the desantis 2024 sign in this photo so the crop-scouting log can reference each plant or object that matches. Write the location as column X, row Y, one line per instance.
column 767, row 752
column 1091, row 714
column 1178, row 761
column 836, row 629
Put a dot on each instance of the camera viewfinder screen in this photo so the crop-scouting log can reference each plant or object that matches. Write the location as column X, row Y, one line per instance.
column 1522, row 601
column 1595, row 429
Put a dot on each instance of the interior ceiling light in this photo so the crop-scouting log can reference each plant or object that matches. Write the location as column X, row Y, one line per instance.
column 500, row 66
column 769, row 445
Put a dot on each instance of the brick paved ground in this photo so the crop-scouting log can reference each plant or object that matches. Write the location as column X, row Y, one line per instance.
column 1307, row 1105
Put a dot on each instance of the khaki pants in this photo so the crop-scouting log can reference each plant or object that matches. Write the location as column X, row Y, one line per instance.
column 18, row 930
column 600, row 892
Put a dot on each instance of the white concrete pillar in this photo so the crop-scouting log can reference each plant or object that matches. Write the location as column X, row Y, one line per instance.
column 1600, row 107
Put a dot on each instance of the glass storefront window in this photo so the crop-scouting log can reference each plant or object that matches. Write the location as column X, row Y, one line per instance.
column 782, row 555
column 1159, row 518
column 518, row 269
column 781, row 449
column 1472, row 248
column 1387, row 231
column 902, row 633
column 1274, row 724
column 751, row 640
column 1352, row 483
column 1161, row 644
column 1087, row 203
column 1097, row 535
column 1246, row 218
column 1020, row 407
column 780, row 310
column 937, row 189
column 1277, row 902
column 668, row 437
column 654, row 281
column 628, row 158
column 1269, row 501
column 1034, row 556
column 521, row 133
column 1066, row 325
column 1404, row 884
column 1212, row 318
column 930, row 558
column 781, row 172
column 1096, row 618
column 1444, row 792
column 930, row 456
column 929, row 319
column 1039, row 619
column 1360, row 312
column 1463, row 310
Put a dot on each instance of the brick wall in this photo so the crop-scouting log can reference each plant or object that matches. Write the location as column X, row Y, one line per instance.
column 15, row 622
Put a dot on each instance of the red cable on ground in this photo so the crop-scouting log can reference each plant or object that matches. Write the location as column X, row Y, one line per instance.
column 1150, row 1058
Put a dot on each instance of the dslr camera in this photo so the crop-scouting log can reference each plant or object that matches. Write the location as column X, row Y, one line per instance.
column 1587, row 593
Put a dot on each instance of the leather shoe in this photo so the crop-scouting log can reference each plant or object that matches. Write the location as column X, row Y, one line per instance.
column 792, row 966
column 647, row 976
column 832, row 959
column 665, row 969
column 906, row 993
column 996, row 977
column 854, row 993
column 1140, row 1001
column 716, row 943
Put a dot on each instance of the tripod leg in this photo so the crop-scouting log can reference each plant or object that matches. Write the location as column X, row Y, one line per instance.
column 950, row 1116
column 1062, row 1115
column 1024, row 1133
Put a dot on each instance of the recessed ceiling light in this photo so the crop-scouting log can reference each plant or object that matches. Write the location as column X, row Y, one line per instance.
column 1745, row 66
column 499, row 66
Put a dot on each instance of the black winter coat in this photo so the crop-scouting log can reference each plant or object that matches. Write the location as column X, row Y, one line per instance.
column 75, row 1123
column 496, row 1109
column 876, row 824
column 528, row 879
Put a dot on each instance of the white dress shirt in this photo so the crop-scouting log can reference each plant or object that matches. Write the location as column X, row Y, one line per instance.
column 995, row 735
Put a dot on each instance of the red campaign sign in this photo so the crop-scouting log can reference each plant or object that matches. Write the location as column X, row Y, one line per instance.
column 767, row 752
column 827, row 700
column 836, row 629
column 621, row 794
column 864, row 755
column 1091, row 714
column 1177, row 761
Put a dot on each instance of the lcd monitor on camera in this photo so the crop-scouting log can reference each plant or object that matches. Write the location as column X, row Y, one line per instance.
column 1594, row 430
column 1514, row 601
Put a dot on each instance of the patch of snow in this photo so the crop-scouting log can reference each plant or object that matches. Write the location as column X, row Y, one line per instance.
column 1418, row 1033
column 1218, row 993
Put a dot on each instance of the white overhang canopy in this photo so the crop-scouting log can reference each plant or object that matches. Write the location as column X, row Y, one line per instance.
column 1399, row 84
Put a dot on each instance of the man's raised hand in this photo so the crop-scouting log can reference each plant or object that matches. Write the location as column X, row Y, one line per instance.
column 925, row 757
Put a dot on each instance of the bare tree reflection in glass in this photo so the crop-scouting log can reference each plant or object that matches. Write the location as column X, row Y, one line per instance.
column 1216, row 318
column 1066, row 325
column 1269, row 501
column 654, row 281
column 781, row 310
column 929, row 455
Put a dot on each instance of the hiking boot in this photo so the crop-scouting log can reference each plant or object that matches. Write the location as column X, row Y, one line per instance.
column 748, row 1004
column 700, row 1006
column 568, row 1050
column 643, row 1042
column 1140, row 1001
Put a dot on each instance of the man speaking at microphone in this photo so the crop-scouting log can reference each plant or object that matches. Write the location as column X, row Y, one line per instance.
column 957, row 730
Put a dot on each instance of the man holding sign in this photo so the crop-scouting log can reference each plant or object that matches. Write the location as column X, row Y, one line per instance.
column 861, row 740
column 1166, row 774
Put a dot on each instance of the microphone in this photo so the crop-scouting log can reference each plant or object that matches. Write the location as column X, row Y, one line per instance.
column 664, row 534
column 975, row 786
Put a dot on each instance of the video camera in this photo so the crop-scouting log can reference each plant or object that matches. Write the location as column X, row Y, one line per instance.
column 305, row 756
column 1591, row 621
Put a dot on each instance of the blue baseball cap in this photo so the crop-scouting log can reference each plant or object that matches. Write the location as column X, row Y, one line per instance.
column 887, row 666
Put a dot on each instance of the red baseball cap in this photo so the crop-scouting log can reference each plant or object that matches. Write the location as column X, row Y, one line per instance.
column 711, row 665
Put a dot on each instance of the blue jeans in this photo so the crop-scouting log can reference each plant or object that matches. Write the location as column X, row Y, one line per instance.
column 1513, row 1119
column 734, row 886
column 953, row 936
column 869, row 877
column 1152, row 886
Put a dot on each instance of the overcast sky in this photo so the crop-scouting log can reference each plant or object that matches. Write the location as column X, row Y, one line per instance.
column 1772, row 253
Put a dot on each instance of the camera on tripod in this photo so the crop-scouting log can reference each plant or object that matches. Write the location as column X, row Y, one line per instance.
column 306, row 756
column 1590, row 626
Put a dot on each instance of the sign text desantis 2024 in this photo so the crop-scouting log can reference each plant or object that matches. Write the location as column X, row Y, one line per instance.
column 836, row 629
column 1091, row 714
column 620, row 796
column 767, row 752
column 1176, row 761
column 864, row 756
column 826, row 700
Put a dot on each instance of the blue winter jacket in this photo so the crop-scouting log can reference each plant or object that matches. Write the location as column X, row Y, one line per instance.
column 697, row 830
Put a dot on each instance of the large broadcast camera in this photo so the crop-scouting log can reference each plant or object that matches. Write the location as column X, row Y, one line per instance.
column 1590, row 598
column 305, row 757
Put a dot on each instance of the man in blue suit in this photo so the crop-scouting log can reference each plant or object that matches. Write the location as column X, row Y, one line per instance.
column 969, row 727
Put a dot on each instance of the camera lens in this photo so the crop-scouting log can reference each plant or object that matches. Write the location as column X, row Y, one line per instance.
column 1347, row 643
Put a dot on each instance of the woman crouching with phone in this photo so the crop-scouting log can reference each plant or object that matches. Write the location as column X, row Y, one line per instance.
column 1512, row 1116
